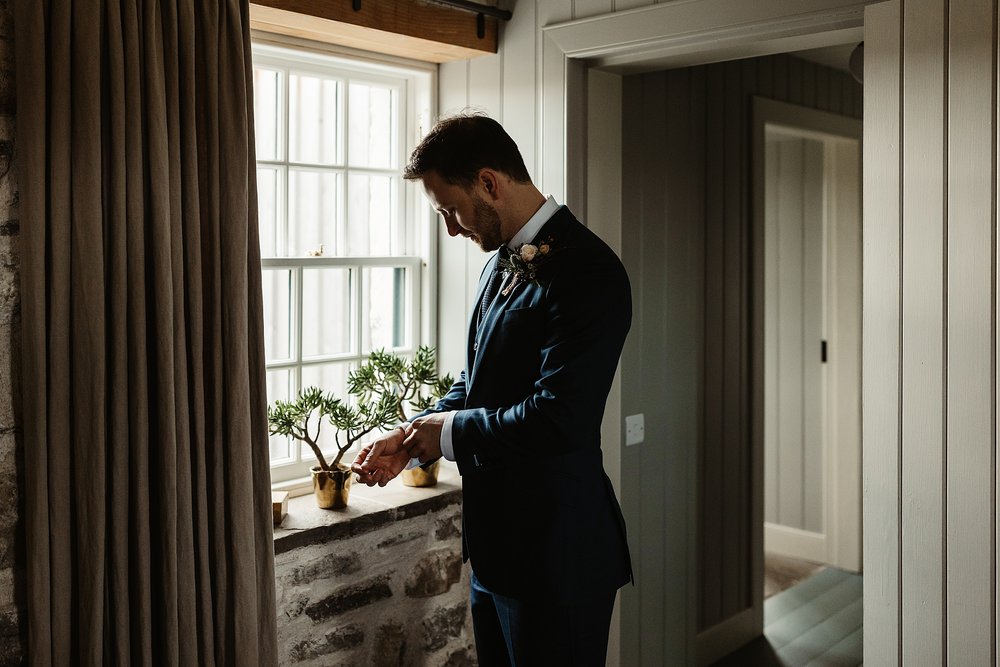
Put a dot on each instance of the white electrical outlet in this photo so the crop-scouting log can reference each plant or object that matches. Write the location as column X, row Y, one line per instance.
column 635, row 429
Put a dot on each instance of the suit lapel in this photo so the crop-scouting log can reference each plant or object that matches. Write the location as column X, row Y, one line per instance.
column 471, row 355
column 496, row 311
column 493, row 316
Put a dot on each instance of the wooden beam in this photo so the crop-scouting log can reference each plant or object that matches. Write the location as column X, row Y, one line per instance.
column 406, row 28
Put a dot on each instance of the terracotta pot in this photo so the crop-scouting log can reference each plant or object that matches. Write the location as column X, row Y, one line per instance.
column 332, row 487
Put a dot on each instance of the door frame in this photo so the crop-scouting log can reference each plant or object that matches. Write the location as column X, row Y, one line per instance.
column 842, row 378
column 656, row 37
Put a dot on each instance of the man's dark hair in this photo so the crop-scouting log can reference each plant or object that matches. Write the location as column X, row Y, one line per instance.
column 459, row 146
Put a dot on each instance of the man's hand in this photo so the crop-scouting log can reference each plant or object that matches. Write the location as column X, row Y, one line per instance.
column 383, row 458
column 424, row 439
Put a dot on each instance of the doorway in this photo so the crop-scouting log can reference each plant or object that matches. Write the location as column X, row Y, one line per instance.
column 808, row 195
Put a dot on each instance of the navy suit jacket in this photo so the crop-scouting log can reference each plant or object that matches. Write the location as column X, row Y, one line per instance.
column 540, row 517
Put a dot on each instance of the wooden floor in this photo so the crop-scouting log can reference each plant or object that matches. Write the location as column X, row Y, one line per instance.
column 816, row 623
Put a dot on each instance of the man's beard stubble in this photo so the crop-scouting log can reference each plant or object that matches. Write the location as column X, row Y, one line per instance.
column 487, row 233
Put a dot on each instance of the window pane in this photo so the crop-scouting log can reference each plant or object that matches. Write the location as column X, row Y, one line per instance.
column 371, row 213
column 277, row 289
column 313, row 126
column 313, row 198
column 267, row 207
column 384, row 308
column 279, row 388
column 267, row 108
column 328, row 377
column 327, row 308
column 372, row 126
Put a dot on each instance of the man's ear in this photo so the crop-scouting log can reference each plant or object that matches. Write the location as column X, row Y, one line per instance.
column 489, row 180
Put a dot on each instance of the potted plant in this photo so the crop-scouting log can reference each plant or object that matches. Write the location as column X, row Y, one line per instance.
column 409, row 383
column 331, row 480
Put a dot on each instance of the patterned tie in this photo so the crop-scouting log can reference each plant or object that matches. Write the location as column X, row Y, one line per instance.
column 494, row 284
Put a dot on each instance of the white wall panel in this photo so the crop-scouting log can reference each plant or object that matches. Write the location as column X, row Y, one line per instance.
column 455, row 294
column 970, row 319
column 881, row 325
column 923, row 361
column 930, row 333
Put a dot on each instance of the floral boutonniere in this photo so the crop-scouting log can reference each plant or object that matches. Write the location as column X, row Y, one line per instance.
column 525, row 261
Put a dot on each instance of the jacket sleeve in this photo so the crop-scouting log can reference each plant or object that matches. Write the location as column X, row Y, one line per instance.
column 587, row 317
column 453, row 400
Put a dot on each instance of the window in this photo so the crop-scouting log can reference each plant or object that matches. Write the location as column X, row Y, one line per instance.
column 344, row 239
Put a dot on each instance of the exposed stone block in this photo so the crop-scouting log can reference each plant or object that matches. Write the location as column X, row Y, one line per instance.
column 294, row 607
column 324, row 568
column 390, row 646
column 463, row 657
column 449, row 527
column 347, row 637
column 444, row 625
column 361, row 525
column 402, row 538
column 434, row 574
column 351, row 597
column 11, row 639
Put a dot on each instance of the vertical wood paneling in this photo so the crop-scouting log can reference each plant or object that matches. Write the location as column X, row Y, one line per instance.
column 712, row 484
column 552, row 103
column 455, row 294
column 795, row 296
column 695, row 189
column 752, row 567
column 735, row 506
column 652, row 516
column 486, row 84
column 791, row 300
column 808, row 85
column 813, row 304
column 923, row 462
column 631, row 494
column 823, row 88
column 844, row 332
column 970, row 317
column 519, row 101
column 881, row 380
column 772, row 282
column 682, row 268
column 795, row 83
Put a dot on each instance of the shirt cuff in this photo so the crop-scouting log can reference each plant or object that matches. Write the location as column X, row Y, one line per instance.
column 447, row 446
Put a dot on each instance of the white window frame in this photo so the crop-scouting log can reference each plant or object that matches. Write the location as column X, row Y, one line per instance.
column 415, row 84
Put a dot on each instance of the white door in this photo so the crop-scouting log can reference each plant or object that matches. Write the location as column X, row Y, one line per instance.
column 811, row 342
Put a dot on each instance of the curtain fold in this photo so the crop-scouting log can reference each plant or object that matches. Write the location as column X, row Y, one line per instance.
column 147, row 477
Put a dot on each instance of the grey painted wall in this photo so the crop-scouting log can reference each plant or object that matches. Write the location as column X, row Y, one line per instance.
column 686, row 234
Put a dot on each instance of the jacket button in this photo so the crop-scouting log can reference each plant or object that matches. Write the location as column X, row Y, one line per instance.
column 475, row 347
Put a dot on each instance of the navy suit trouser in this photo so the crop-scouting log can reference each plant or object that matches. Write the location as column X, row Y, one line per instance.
column 519, row 633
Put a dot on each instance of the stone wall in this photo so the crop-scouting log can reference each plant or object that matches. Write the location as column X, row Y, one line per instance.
column 383, row 588
column 12, row 599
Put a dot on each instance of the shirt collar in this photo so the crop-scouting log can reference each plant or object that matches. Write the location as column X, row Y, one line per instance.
column 534, row 224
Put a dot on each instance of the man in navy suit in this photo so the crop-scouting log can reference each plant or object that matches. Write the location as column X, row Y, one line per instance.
column 540, row 521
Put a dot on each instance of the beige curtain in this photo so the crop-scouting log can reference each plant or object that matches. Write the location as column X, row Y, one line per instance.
column 147, row 481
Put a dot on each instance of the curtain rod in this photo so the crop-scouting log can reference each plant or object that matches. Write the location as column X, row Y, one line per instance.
column 476, row 8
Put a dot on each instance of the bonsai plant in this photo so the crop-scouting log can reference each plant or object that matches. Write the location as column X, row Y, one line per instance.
column 331, row 480
column 408, row 383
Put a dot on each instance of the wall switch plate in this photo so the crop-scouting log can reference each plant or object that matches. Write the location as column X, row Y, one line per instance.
column 635, row 429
